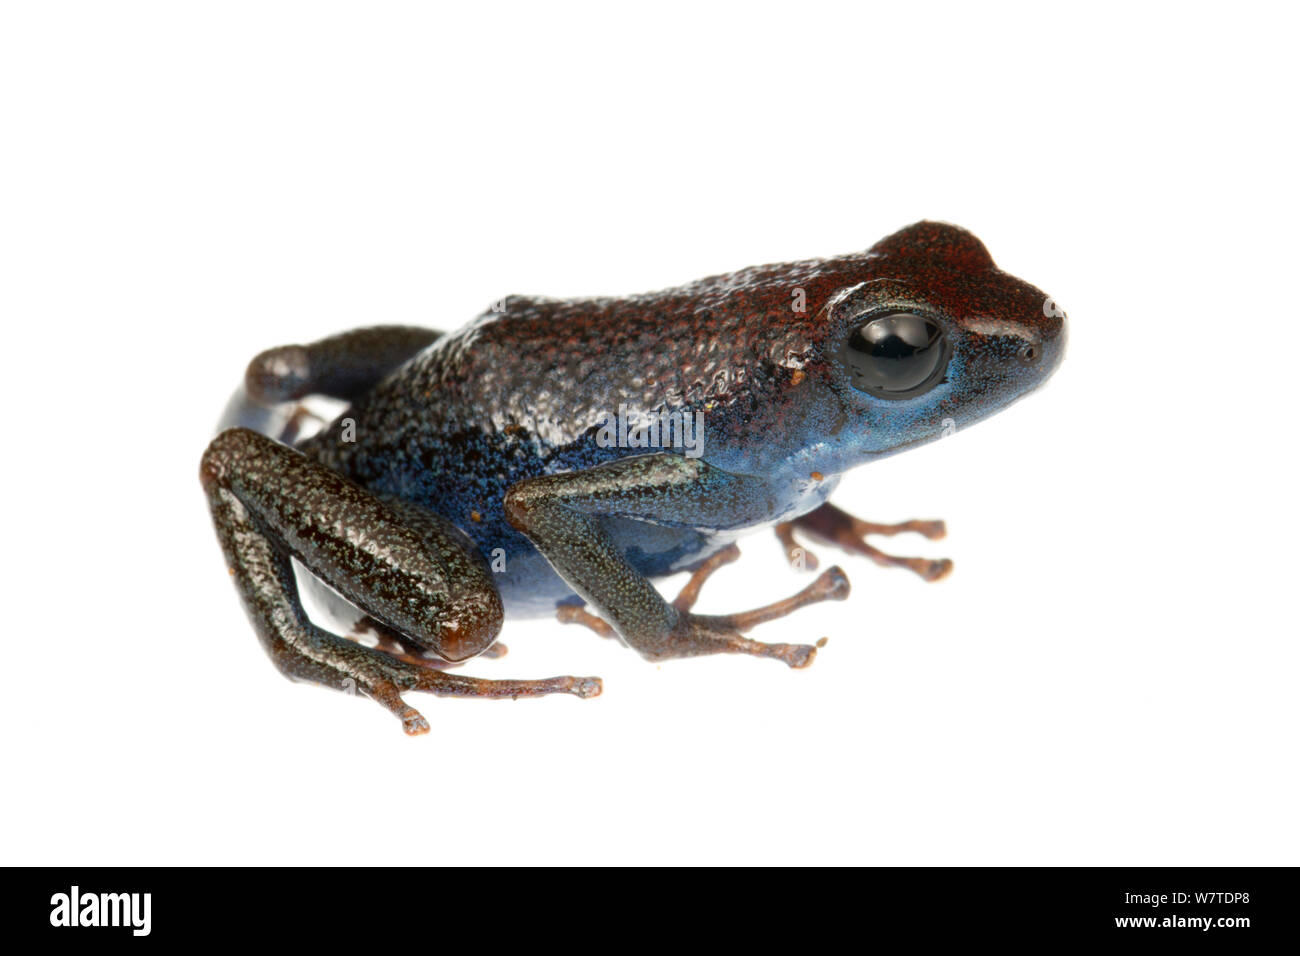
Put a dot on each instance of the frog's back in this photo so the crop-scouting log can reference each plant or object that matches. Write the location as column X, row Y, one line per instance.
column 525, row 390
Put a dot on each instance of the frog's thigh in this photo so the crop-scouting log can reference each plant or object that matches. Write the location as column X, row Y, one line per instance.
column 270, row 502
column 419, row 579
column 343, row 366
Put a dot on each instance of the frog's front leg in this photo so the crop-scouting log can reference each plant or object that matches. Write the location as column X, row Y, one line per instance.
column 830, row 525
column 412, row 572
column 561, row 515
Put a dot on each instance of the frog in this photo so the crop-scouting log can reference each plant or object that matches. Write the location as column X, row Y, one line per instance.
column 559, row 456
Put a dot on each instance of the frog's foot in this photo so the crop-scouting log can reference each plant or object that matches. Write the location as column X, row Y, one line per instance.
column 417, row 677
column 392, row 643
column 830, row 525
column 697, row 634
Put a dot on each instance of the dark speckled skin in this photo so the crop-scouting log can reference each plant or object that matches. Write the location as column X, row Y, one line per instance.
column 493, row 429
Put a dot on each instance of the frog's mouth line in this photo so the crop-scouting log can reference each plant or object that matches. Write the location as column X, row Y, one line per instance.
column 947, row 426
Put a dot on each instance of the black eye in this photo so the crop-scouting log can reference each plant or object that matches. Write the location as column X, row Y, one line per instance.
column 896, row 355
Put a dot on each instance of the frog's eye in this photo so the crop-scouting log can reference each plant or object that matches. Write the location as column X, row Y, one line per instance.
column 896, row 355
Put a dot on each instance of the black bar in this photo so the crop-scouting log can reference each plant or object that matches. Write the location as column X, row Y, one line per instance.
column 1226, row 907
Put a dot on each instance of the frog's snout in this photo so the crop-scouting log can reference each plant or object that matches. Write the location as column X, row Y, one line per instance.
column 1046, row 354
column 1038, row 334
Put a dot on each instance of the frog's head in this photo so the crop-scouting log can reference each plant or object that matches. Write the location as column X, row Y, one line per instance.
column 934, row 338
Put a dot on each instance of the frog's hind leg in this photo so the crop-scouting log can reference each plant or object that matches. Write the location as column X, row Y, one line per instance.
column 830, row 525
column 342, row 366
column 270, row 504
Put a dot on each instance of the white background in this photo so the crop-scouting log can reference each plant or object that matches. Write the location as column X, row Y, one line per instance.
column 1108, row 677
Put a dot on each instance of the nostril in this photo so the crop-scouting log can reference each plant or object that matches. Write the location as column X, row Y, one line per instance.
column 1029, row 353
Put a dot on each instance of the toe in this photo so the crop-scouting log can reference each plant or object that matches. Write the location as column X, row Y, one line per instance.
column 935, row 570
column 799, row 656
column 587, row 687
column 414, row 723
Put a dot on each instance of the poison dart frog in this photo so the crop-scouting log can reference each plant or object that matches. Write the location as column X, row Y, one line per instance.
column 555, row 456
